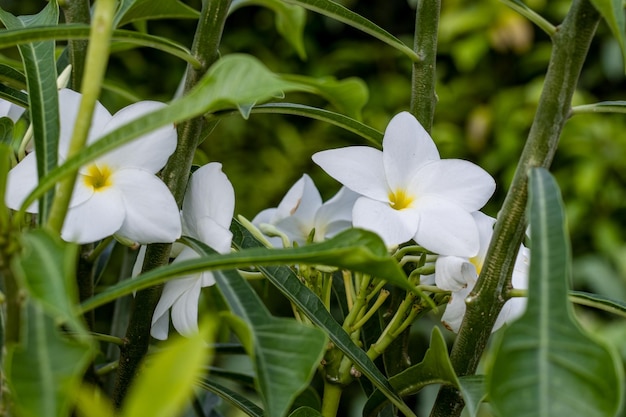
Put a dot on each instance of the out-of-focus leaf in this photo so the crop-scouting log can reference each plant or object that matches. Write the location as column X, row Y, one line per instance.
column 46, row 268
column 338, row 12
column 290, row 20
column 165, row 384
column 39, row 65
column 234, row 398
column 545, row 364
column 309, row 304
column 134, row 10
column 349, row 96
column 353, row 249
column 12, row 77
column 91, row 402
column 613, row 13
column 598, row 301
column 45, row 369
column 6, row 131
column 305, row 412
column 14, row 96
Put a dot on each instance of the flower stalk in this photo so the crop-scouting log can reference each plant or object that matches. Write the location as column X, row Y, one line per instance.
column 570, row 45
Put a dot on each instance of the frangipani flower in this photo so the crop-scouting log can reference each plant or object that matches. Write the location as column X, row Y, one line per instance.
column 459, row 275
column 119, row 192
column 207, row 213
column 302, row 210
column 408, row 192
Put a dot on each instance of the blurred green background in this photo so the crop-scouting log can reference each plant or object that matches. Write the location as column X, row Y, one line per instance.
column 490, row 70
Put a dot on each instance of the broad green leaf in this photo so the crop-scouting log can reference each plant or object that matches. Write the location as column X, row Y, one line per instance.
column 46, row 268
column 91, row 402
column 305, row 412
column 354, row 249
column 545, row 364
column 370, row 134
column 598, row 301
column 131, row 11
column 39, row 65
column 234, row 398
column 78, row 31
column 340, row 13
column 165, row 383
column 12, row 77
column 45, row 370
column 307, row 302
column 233, row 81
column 285, row 353
column 613, row 13
column 290, row 20
column 349, row 96
column 435, row 368
column 473, row 390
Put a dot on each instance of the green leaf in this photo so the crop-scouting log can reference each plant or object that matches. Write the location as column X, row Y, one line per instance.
column 180, row 360
column 473, row 390
column 308, row 303
column 338, row 12
column 349, row 96
column 233, row 81
column 545, row 364
column 613, row 13
column 6, row 131
column 14, row 96
column 12, row 77
column 46, row 268
column 435, row 368
column 234, row 398
column 305, row 412
column 39, row 64
column 353, row 249
column 45, row 370
column 290, row 20
column 134, row 10
column 370, row 134
column 598, row 301
column 616, row 106
column 285, row 353
column 77, row 31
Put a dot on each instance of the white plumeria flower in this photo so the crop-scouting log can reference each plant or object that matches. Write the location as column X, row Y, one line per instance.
column 302, row 210
column 459, row 275
column 207, row 213
column 10, row 110
column 408, row 192
column 119, row 192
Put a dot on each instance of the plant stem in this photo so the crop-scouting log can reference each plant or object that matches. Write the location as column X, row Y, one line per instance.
column 331, row 398
column 570, row 45
column 76, row 11
column 175, row 174
column 423, row 97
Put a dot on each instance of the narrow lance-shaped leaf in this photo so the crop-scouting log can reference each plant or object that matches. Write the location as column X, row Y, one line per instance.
column 546, row 365
column 134, row 10
column 39, row 64
column 613, row 13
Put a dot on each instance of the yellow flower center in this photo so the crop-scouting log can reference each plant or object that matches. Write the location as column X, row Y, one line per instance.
column 478, row 264
column 98, row 177
column 400, row 200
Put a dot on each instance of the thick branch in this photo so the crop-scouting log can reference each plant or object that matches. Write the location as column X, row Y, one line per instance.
column 571, row 43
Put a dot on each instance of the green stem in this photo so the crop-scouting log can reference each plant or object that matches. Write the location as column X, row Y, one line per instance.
column 331, row 398
column 423, row 97
column 175, row 175
column 95, row 67
column 570, row 45
column 76, row 11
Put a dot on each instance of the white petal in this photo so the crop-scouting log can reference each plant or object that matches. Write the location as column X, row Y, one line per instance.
column 335, row 214
column 209, row 194
column 484, row 224
column 161, row 326
column 151, row 212
column 69, row 102
column 455, row 310
column 308, row 202
column 99, row 217
column 461, row 182
column 511, row 310
column 453, row 273
column 406, row 146
column 446, row 229
column 264, row 216
column 393, row 226
column 359, row 168
column 214, row 235
column 185, row 310
column 21, row 181
column 138, row 265
column 150, row 151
